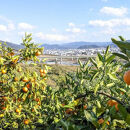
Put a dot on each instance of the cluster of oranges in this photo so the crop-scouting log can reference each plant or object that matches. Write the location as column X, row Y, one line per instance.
column 43, row 72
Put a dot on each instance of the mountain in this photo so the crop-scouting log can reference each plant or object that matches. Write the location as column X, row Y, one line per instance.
column 75, row 45
column 12, row 45
column 89, row 46
column 71, row 45
column 53, row 46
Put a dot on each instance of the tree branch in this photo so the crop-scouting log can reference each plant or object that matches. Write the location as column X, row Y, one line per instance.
column 102, row 93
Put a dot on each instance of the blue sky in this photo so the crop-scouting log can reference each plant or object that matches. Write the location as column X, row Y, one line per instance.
column 61, row 21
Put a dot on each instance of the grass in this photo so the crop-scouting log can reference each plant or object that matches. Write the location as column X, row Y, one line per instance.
column 55, row 75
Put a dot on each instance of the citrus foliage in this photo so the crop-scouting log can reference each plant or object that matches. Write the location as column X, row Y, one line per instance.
column 95, row 97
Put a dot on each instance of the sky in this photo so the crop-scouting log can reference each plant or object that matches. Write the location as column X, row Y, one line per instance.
column 63, row 21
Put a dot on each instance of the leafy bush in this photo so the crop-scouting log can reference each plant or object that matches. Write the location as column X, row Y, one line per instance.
column 95, row 97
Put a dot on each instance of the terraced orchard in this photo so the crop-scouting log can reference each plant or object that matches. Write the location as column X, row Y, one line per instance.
column 93, row 97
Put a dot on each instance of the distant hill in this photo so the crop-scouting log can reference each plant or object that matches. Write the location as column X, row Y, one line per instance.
column 71, row 45
column 76, row 45
column 12, row 45
column 53, row 46
column 89, row 46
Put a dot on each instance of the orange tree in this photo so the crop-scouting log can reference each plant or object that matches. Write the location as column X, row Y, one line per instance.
column 96, row 97
column 21, row 92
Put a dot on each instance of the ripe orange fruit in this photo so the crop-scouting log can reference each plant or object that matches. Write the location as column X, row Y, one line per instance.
column 44, row 71
column 3, row 108
column 108, row 123
column 41, row 74
column 19, row 106
column 17, row 110
column 3, row 71
column 10, row 54
column 100, row 121
column 113, row 103
column 41, row 70
column 26, row 121
column 28, row 86
column 15, row 60
column 5, row 98
column 45, row 78
column 19, row 99
column 116, row 106
column 15, row 79
column 37, row 53
column 69, row 111
column 85, row 107
column 37, row 99
column 33, row 110
column 25, row 79
column 63, row 104
column 39, row 103
column 127, row 77
column 122, row 93
column 29, row 96
column 19, row 70
column 43, row 88
column 32, row 80
column 25, row 89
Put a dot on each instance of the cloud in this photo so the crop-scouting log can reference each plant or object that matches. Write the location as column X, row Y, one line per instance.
column 5, row 19
column 73, row 29
column 3, row 28
column 51, row 37
column 114, row 11
column 54, row 30
column 11, row 26
column 110, row 23
column 25, row 26
column 71, row 24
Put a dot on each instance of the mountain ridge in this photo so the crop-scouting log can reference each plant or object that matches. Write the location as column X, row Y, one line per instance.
column 71, row 45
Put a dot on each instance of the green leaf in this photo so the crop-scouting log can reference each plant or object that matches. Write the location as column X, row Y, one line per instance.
column 128, row 53
column 121, row 44
column 64, row 124
column 128, row 119
column 123, row 90
column 96, row 88
column 40, row 121
column 93, row 62
column 122, row 39
column 86, row 65
column 99, row 111
column 110, row 84
column 112, row 76
column 90, row 117
column 121, row 56
column 127, row 65
column 107, row 49
column 94, row 76
column 81, row 65
column 100, row 57
column 98, row 104
column 122, row 111
column 110, row 59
